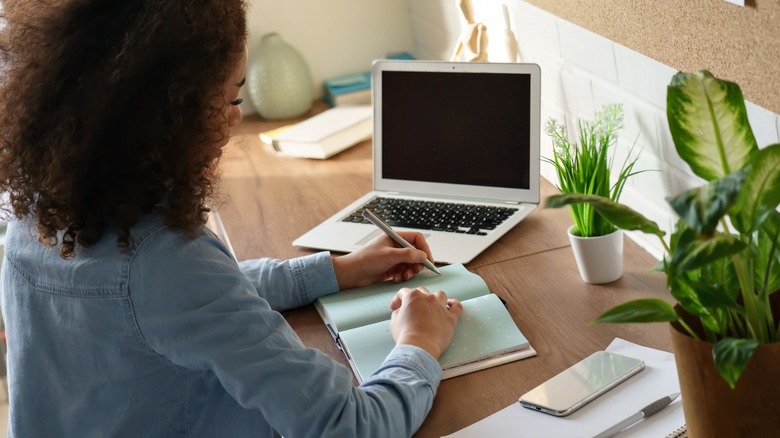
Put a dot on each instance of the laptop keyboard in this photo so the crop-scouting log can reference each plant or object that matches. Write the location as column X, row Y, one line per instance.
column 435, row 216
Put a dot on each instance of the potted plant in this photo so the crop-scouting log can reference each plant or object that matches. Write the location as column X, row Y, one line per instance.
column 586, row 168
column 722, row 262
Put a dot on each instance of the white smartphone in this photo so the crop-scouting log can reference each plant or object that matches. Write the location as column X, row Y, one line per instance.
column 579, row 384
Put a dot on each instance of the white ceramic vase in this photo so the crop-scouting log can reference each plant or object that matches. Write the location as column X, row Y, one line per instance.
column 279, row 82
column 599, row 259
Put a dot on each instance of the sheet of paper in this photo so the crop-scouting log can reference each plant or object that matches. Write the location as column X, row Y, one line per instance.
column 657, row 380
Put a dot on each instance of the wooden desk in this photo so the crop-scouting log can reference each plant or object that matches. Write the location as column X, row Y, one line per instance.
column 272, row 200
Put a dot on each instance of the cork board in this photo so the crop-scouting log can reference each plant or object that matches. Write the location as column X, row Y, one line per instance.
column 741, row 44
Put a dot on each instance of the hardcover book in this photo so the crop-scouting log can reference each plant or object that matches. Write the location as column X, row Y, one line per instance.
column 355, row 88
column 327, row 133
column 267, row 137
column 348, row 89
column 486, row 335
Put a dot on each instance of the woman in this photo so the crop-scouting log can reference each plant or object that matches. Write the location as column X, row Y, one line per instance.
column 125, row 316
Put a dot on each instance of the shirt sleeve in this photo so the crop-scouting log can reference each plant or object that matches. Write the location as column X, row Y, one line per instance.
column 288, row 284
column 197, row 308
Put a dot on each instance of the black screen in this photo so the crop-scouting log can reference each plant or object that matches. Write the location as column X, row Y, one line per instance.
column 457, row 128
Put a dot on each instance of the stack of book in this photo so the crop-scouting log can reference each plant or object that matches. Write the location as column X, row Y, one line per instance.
column 348, row 89
column 352, row 88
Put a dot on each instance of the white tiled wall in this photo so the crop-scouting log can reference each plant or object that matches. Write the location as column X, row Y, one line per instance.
column 581, row 72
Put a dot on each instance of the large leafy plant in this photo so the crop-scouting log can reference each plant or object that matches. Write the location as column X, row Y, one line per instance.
column 586, row 167
column 722, row 260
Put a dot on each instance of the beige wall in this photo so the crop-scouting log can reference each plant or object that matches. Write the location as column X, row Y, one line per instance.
column 335, row 36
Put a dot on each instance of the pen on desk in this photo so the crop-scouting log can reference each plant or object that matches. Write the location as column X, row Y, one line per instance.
column 651, row 409
column 374, row 219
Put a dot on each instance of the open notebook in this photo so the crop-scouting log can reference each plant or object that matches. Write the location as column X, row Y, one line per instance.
column 458, row 132
column 486, row 335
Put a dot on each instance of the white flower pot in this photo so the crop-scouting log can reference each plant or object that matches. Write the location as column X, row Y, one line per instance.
column 599, row 259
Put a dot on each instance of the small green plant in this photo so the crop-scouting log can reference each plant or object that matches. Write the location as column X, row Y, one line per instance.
column 722, row 260
column 586, row 167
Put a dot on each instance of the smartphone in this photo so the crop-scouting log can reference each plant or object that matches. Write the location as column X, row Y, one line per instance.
column 581, row 383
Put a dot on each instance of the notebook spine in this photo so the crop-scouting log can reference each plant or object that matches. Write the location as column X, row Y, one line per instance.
column 680, row 432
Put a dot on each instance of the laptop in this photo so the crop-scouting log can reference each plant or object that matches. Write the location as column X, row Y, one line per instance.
column 463, row 133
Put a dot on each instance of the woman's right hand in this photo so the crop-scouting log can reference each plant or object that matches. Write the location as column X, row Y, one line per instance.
column 424, row 319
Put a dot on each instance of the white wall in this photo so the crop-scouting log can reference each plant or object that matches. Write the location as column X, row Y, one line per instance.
column 581, row 72
column 336, row 36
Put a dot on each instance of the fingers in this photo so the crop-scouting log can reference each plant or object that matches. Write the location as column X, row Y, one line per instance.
column 424, row 319
column 454, row 306
column 418, row 241
column 404, row 295
column 397, row 300
column 404, row 263
column 401, row 263
column 405, row 270
column 442, row 297
column 407, row 294
column 381, row 259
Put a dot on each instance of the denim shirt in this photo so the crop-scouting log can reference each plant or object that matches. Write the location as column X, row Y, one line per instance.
column 173, row 338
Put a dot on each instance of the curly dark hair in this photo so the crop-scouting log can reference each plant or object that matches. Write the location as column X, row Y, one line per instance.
column 107, row 109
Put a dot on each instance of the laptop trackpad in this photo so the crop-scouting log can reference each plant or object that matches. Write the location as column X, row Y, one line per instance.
column 375, row 233
column 368, row 237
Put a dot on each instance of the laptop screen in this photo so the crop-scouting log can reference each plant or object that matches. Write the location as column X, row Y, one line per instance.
column 457, row 128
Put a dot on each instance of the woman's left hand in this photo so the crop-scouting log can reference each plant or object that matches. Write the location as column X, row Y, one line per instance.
column 381, row 259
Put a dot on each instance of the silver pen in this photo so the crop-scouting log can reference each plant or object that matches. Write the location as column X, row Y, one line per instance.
column 651, row 409
column 374, row 219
